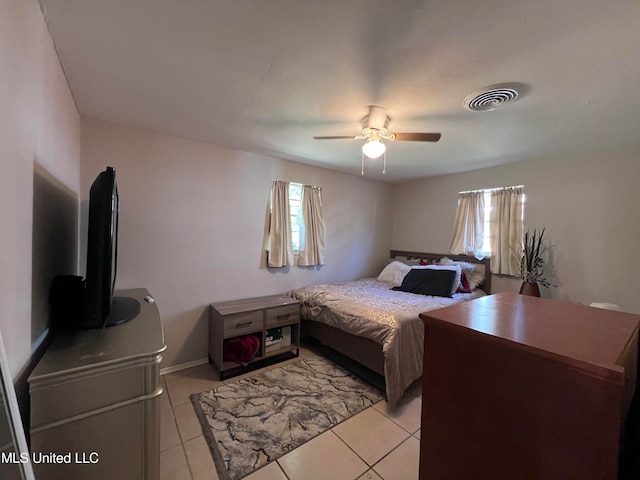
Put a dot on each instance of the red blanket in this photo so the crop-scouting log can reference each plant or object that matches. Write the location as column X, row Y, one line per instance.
column 241, row 349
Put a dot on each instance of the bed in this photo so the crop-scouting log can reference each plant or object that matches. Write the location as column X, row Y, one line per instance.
column 378, row 327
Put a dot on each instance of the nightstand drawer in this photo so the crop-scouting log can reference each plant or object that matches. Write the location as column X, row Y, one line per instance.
column 242, row 323
column 285, row 315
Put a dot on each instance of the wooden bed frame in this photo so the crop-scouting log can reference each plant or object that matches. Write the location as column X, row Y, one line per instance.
column 364, row 351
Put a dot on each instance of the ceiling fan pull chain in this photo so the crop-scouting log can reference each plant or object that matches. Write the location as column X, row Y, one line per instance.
column 362, row 172
column 384, row 162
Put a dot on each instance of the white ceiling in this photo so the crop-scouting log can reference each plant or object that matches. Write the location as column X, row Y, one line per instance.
column 266, row 76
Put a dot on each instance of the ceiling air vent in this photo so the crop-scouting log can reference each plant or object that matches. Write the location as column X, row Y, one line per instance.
column 491, row 98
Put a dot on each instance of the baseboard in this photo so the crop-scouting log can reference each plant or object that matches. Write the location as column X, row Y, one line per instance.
column 183, row 366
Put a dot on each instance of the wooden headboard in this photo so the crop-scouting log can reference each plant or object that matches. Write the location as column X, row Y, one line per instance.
column 435, row 257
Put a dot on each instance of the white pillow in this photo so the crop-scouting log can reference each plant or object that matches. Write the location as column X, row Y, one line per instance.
column 455, row 268
column 394, row 273
column 473, row 271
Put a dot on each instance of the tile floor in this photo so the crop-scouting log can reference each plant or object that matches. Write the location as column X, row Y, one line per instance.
column 374, row 444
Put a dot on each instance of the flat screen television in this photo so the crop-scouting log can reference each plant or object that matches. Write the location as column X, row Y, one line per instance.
column 101, row 307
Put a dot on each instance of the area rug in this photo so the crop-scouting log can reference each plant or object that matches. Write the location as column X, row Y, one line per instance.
column 254, row 421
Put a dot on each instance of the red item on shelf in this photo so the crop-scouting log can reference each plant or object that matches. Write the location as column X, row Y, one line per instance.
column 241, row 349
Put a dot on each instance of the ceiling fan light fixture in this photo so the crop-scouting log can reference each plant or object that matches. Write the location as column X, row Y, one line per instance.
column 375, row 130
column 373, row 148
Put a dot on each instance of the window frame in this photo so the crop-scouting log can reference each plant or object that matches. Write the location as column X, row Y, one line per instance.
column 486, row 243
column 486, row 239
column 295, row 213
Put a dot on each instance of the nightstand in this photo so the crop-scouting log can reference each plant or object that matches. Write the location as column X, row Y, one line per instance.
column 267, row 318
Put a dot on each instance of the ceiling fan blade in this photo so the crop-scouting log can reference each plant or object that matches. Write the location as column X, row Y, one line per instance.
column 418, row 137
column 334, row 138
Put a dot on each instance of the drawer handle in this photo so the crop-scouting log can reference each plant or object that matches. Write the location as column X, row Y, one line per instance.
column 243, row 324
column 283, row 317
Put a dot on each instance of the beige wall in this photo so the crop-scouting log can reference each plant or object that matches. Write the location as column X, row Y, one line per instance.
column 588, row 203
column 193, row 223
column 40, row 162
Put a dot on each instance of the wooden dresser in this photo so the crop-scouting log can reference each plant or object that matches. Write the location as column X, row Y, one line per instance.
column 527, row 388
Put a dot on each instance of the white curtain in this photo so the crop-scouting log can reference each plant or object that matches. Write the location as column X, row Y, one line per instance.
column 312, row 228
column 468, row 227
column 506, row 230
column 280, row 249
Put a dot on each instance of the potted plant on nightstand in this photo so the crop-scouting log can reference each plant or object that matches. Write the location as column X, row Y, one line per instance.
column 532, row 264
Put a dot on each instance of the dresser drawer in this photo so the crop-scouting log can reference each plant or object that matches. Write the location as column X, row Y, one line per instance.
column 284, row 315
column 102, row 388
column 241, row 323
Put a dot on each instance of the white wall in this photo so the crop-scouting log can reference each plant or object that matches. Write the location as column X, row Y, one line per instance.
column 193, row 224
column 588, row 203
column 39, row 144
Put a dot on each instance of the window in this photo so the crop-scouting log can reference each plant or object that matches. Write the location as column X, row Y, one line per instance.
column 296, row 225
column 486, row 239
column 489, row 223
column 295, row 210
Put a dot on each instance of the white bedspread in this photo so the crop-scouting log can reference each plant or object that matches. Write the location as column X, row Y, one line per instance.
column 369, row 308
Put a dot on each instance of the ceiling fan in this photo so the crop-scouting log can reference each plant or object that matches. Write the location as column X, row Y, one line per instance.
column 375, row 129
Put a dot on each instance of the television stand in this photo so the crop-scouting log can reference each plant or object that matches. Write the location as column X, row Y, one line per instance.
column 123, row 309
